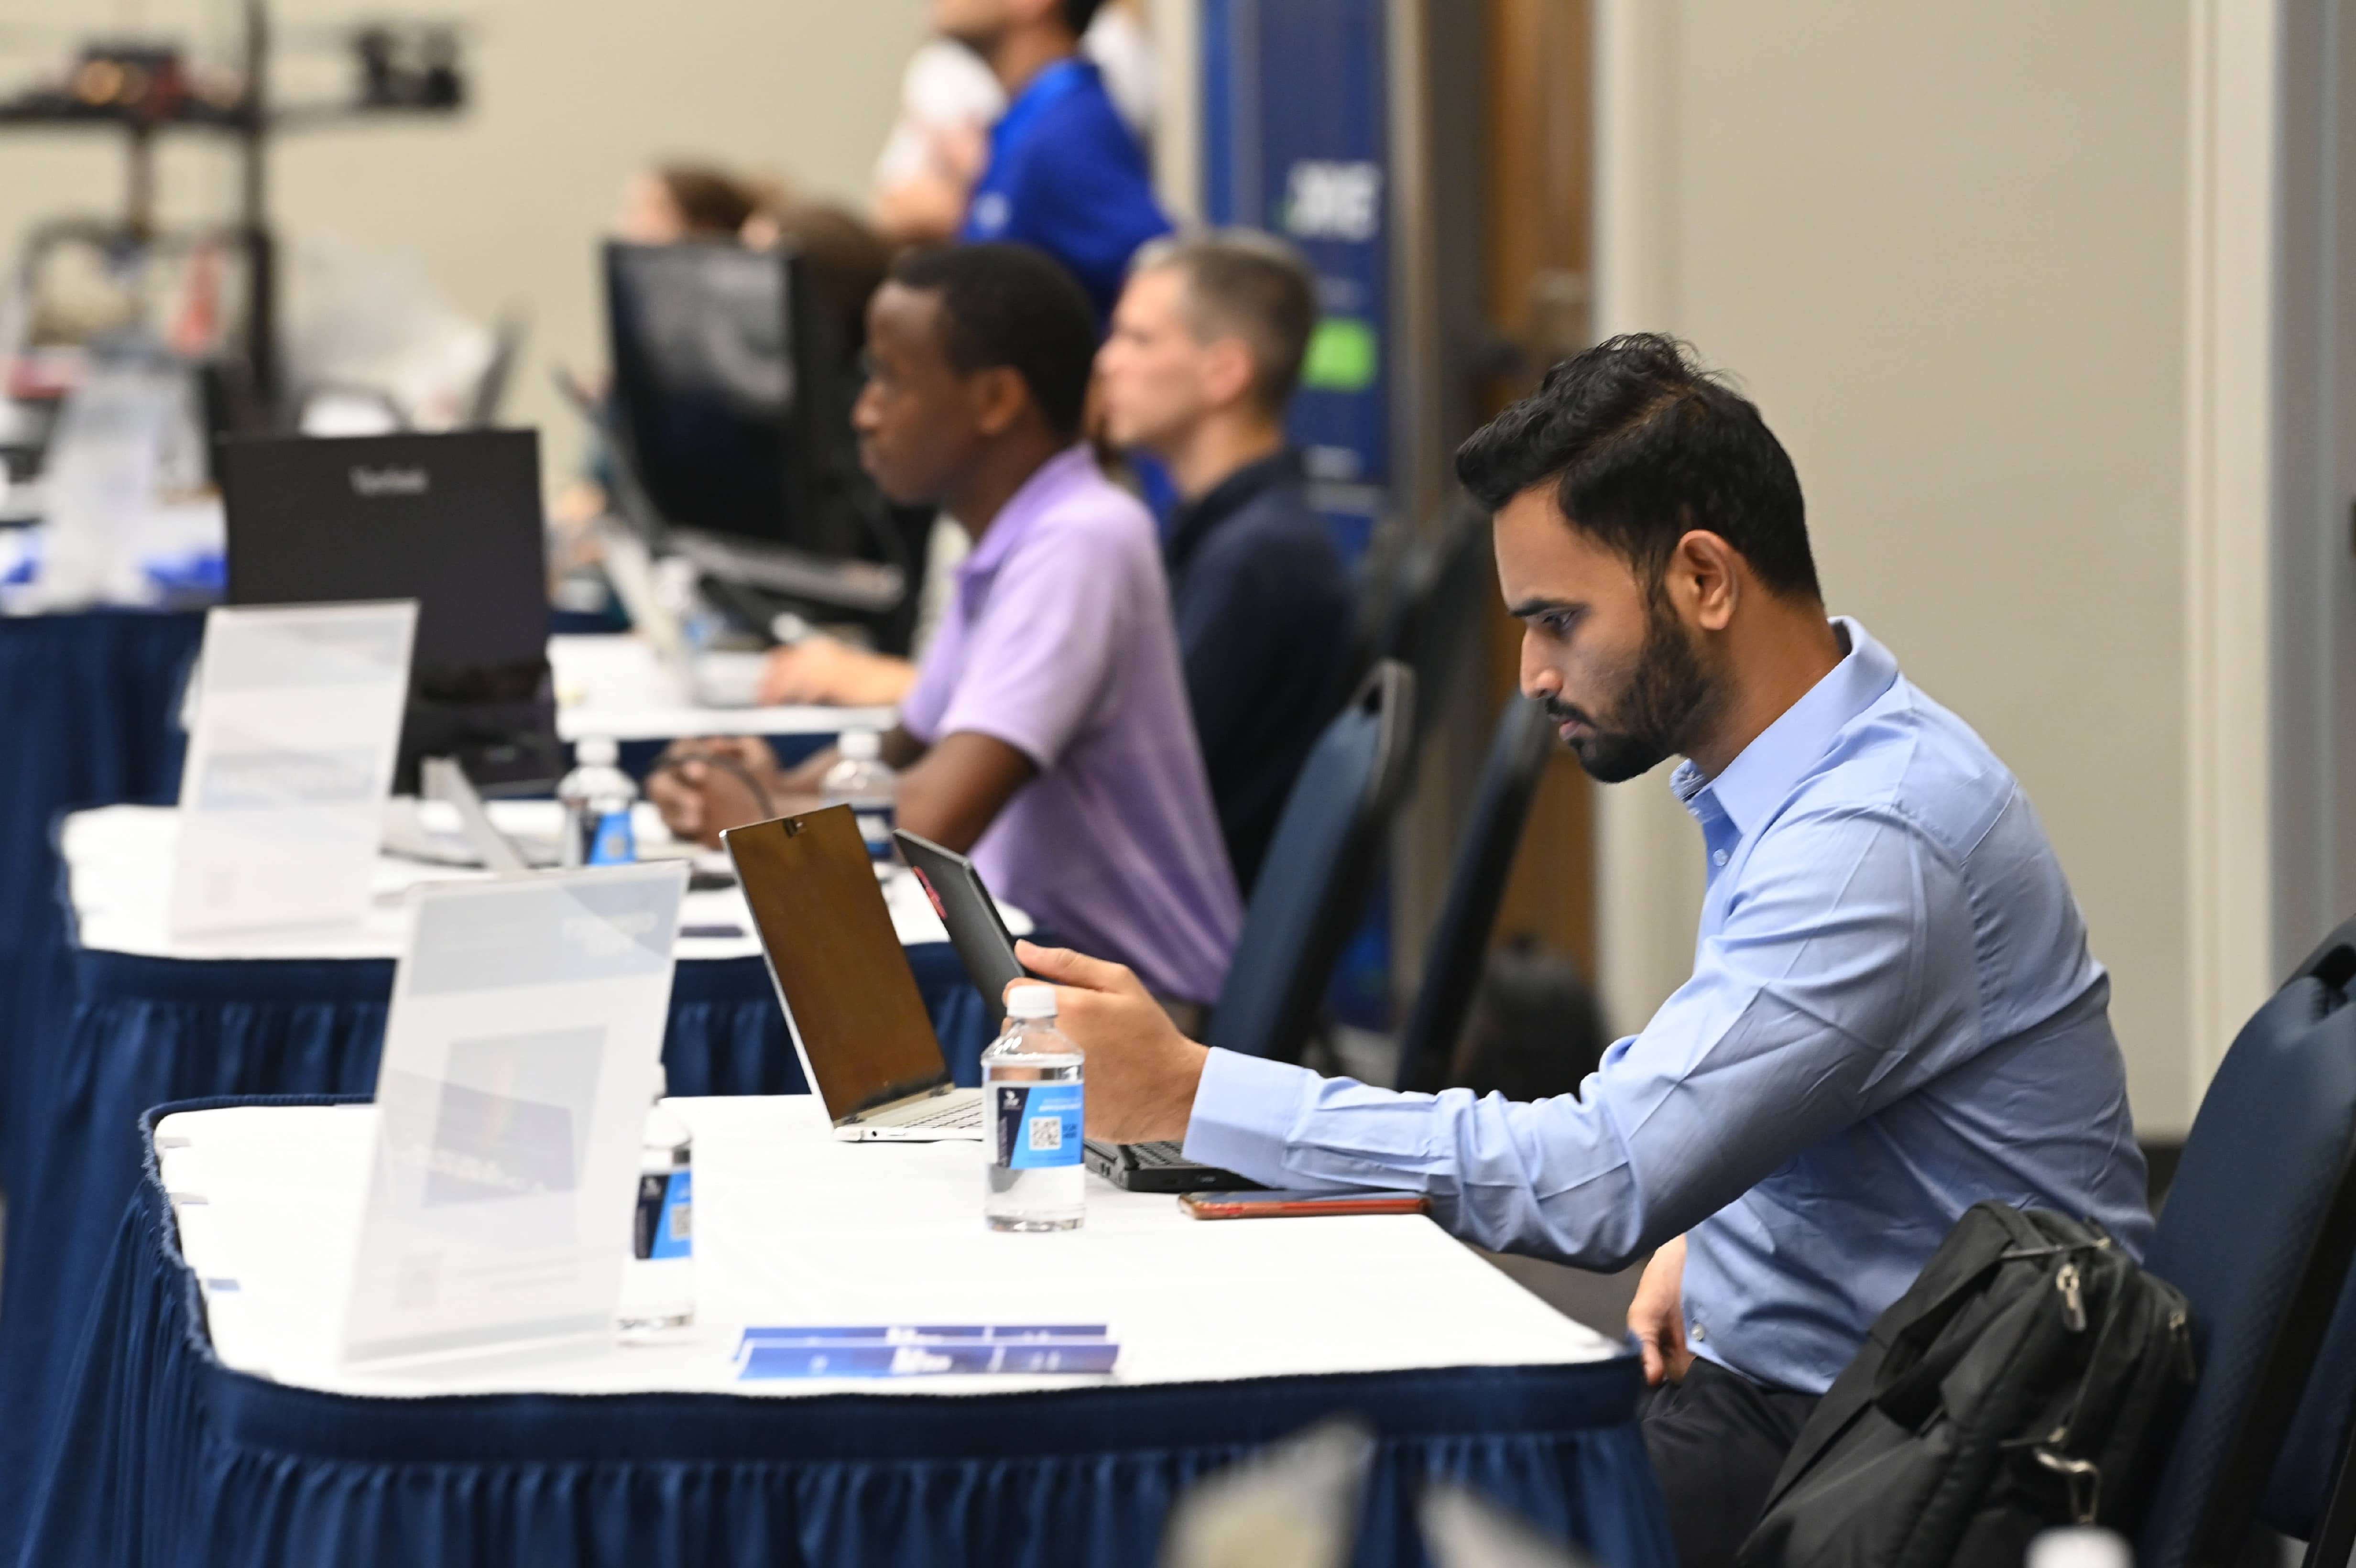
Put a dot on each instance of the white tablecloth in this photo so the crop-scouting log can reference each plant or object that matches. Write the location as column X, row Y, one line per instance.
column 119, row 873
column 793, row 1227
column 612, row 686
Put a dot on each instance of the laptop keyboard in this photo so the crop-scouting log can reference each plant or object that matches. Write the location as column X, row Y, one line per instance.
column 1166, row 1153
column 968, row 1114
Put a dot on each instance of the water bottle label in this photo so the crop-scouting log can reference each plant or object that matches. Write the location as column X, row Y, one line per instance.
column 1038, row 1125
column 665, row 1225
column 875, row 824
column 613, row 844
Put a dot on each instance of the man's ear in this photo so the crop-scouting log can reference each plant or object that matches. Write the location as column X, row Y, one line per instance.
column 998, row 396
column 1228, row 372
column 1704, row 578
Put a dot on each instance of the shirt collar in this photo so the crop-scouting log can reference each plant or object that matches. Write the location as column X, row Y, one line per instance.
column 1196, row 518
column 1757, row 781
column 1047, row 485
column 1052, row 83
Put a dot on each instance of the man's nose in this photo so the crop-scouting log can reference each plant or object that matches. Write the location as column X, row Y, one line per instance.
column 1539, row 679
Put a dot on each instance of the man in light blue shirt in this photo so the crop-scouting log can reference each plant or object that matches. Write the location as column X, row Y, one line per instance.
column 1892, row 1015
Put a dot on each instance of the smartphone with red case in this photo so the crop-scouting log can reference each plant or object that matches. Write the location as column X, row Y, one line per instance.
column 1296, row 1205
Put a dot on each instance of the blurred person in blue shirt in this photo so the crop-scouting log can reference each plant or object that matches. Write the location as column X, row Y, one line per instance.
column 1064, row 172
column 1892, row 1016
column 1204, row 352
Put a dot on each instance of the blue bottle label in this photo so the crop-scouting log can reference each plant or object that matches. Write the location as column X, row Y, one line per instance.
column 1038, row 1125
column 875, row 824
column 613, row 844
column 665, row 1225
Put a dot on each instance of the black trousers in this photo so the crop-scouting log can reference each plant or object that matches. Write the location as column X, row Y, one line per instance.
column 1716, row 1439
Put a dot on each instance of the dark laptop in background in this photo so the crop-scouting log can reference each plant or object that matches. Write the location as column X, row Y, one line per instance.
column 986, row 950
column 453, row 521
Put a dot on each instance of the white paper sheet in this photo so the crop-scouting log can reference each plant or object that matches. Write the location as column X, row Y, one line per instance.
column 518, row 1060
column 282, row 801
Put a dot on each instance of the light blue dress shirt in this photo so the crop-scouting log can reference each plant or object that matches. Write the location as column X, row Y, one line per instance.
column 1893, row 1016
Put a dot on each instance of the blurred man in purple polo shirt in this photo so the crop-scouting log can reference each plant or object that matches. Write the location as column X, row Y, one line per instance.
column 1048, row 729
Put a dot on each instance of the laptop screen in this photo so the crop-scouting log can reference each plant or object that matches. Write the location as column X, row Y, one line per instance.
column 841, row 975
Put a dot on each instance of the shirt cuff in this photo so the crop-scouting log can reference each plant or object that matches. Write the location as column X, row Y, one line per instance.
column 1243, row 1114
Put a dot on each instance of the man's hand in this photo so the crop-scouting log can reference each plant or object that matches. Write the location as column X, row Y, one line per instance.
column 702, row 786
column 830, row 671
column 1142, row 1072
column 1657, row 1317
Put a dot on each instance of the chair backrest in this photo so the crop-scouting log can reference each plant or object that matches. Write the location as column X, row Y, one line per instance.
column 1419, row 598
column 1319, row 868
column 1438, row 624
column 2258, row 1231
column 1476, row 884
column 2312, row 1494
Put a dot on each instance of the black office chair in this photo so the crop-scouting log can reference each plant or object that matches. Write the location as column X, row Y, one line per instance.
column 1320, row 865
column 1417, row 598
column 2311, row 1496
column 1476, row 885
column 2258, row 1233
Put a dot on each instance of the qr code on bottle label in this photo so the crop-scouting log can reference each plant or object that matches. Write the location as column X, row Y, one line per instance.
column 1046, row 1133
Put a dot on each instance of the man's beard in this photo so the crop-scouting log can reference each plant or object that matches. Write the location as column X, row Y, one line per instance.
column 1662, row 702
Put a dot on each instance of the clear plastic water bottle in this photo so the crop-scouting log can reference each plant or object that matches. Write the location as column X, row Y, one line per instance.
column 659, row 1282
column 1032, row 1094
column 598, row 796
column 863, row 781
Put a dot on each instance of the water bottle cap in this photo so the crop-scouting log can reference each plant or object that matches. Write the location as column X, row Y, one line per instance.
column 1030, row 1002
column 597, row 750
column 2079, row 1548
column 860, row 745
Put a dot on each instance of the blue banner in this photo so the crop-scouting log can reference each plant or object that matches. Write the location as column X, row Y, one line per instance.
column 1295, row 142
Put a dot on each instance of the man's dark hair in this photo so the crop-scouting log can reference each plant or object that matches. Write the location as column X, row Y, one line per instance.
column 1641, row 445
column 1078, row 14
column 1012, row 305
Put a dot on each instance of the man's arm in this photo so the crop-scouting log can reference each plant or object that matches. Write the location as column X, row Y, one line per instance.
column 1841, row 979
column 957, row 790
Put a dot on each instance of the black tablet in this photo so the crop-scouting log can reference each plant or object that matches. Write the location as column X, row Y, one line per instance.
column 965, row 906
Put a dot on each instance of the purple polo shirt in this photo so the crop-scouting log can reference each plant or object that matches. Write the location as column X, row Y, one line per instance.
column 1060, row 645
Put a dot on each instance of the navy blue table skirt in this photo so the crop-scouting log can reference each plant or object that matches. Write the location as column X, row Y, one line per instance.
column 167, row 1458
column 88, row 702
column 146, row 1030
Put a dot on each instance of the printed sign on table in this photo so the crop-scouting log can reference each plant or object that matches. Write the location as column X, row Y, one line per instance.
column 298, row 715
column 526, row 1029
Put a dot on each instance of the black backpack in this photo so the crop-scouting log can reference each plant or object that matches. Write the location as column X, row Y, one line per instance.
column 2033, row 1377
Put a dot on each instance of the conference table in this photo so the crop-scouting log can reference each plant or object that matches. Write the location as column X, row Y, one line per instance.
column 210, row 1421
column 158, row 1018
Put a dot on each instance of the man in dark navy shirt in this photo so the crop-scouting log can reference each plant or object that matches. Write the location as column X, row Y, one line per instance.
column 1064, row 173
column 1205, row 349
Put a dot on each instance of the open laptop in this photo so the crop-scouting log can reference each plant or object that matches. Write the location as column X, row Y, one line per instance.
column 857, row 1024
column 452, row 520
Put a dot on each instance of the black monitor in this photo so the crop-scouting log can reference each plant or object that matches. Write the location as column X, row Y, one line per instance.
column 728, row 393
column 453, row 521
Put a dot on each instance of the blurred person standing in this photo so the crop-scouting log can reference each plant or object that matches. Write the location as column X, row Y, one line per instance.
column 1204, row 352
column 1047, row 730
column 948, row 101
column 1063, row 172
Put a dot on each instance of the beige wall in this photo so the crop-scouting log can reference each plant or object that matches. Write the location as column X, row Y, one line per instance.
column 1945, row 247
column 503, row 204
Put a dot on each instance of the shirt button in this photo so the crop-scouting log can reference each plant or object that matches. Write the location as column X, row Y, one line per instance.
column 1717, row 857
column 1700, row 1333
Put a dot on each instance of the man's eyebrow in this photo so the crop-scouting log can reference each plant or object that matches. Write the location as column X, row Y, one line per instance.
column 1530, row 607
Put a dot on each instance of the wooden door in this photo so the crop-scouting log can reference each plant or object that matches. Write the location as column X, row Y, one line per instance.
column 1538, row 214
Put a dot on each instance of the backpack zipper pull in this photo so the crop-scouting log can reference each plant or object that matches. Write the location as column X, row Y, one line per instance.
column 2073, row 1302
